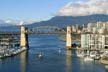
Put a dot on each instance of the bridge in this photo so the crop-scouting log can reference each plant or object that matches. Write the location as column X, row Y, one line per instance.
column 24, row 32
column 37, row 30
column 18, row 33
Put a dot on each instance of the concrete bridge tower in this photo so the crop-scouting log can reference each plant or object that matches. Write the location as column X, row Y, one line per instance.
column 68, row 38
column 23, row 37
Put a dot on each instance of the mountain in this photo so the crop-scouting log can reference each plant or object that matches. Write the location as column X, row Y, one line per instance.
column 78, row 12
column 63, row 21
column 60, row 21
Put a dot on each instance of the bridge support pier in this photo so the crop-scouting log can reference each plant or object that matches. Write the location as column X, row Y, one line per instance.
column 68, row 38
column 23, row 37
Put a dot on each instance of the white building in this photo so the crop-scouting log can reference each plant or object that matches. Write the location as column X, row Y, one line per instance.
column 90, row 40
column 95, row 36
column 84, row 40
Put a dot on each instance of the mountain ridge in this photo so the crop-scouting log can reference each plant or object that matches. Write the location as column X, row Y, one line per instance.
column 63, row 21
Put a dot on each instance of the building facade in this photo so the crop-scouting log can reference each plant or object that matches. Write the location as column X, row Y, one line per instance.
column 91, row 40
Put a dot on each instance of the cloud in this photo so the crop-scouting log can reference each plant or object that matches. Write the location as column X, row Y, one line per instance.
column 82, row 8
column 8, row 21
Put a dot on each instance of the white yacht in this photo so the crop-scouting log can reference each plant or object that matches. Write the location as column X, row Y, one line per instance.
column 40, row 55
column 93, row 54
column 97, row 57
column 1, row 56
column 80, row 54
column 87, row 57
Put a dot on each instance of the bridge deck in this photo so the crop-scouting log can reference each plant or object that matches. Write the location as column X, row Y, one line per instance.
column 17, row 33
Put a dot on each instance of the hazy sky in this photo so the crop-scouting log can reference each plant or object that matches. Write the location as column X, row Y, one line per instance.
column 30, row 9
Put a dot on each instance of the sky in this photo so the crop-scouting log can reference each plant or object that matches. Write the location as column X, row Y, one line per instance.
column 38, row 10
column 30, row 9
column 83, row 8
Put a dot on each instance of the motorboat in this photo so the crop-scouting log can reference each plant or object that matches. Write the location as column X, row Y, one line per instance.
column 97, row 57
column 59, row 50
column 1, row 56
column 80, row 54
column 106, row 67
column 104, row 60
column 88, row 58
column 40, row 55
column 93, row 54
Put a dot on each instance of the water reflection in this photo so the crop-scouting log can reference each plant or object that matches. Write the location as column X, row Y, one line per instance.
column 68, row 61
column 23, row 61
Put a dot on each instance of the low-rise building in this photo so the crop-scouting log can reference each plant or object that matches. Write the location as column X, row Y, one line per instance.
column 94, row 41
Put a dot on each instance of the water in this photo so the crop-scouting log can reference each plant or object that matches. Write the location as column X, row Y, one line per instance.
column 55, row 58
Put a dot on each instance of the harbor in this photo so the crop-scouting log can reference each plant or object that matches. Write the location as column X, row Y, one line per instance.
column 91, row 47
column 53, row 59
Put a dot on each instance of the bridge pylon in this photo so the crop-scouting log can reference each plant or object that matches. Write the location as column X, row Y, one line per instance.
column 68, row 38
column 23, row 37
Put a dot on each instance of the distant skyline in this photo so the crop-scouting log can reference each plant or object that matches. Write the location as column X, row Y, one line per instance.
column 30, row 9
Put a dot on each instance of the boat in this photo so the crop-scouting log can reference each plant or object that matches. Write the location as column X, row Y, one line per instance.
column 80, row 54
column 104, row 60
column 59, row 50
column 104, row 54
column 40, row 55
column 106, row 68
column 1, row 56
column 97, row 57
column 93, row 54
column 7, row 54
column 88, row 58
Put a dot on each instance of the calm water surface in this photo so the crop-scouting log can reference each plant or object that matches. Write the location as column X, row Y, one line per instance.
column 53, row 60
